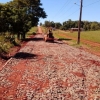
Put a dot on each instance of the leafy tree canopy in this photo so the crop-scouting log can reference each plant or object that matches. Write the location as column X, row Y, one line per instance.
column 18, row 16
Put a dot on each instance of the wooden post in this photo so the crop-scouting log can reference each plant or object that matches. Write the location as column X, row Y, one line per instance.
column 79, row 24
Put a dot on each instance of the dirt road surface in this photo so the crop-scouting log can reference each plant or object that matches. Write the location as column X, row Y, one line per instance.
column 50, row 71
column 39, row 30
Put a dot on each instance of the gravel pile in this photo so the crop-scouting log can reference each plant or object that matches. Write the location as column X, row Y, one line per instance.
column 55, row 71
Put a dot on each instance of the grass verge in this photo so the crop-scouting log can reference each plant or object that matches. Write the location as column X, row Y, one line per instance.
column 71, row 39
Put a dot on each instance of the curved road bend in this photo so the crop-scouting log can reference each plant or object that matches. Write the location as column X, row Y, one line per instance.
column 50, row 71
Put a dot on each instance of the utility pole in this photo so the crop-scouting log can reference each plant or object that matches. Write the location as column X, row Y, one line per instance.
column 79, row 24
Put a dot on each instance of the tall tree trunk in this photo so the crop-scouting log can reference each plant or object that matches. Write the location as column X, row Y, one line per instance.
column 18, row 36
column 23, row 36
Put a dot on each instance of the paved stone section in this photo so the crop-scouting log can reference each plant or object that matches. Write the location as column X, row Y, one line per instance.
column 51, row 71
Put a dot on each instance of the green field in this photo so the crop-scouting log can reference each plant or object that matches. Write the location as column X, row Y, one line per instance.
column 93, row 36
column 32, row 31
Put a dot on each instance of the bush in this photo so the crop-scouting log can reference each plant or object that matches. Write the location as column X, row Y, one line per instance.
column 3, row 48
column 34, row 33
column 7, row 42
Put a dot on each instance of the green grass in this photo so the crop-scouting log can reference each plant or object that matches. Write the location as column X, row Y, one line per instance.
column 33, row 30
column 93, row 36
column 86, row 35
column 6, row 43
column 45, row 30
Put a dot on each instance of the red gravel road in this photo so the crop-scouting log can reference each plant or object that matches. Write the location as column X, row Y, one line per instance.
column 50, row 71
column 39, row 30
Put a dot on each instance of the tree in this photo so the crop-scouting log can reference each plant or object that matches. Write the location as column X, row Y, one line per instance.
column 21, row 15
column 3, row 18
column 52, row 24
column 47, row 23
column 58, row 25
column 40, row 24
column 94, row 26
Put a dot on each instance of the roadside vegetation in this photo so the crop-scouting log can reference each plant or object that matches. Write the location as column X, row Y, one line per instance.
column 93, row 36
column 67, row 25
column 17, row 18
column 32, row 31
column 64, row 31
column 8, row 40
column 71, row 39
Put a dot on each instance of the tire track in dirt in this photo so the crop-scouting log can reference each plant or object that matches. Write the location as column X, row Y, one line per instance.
column 39, row 30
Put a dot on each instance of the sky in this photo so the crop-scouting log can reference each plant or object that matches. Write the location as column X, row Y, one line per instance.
column 63, row 10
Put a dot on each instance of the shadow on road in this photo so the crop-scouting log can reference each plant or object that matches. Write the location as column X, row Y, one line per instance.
column 67, row 39
column 32, row 39
column 49, row 41
column 24, row 55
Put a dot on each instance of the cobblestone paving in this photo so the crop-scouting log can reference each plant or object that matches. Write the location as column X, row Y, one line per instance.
column 50, row 71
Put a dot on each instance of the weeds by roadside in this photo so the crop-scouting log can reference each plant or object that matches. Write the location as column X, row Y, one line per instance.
column 7, row 42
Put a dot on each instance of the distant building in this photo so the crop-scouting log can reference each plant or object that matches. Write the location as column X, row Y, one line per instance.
column 75, row 29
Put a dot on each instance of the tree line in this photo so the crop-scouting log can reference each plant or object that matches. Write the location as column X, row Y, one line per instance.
column 18, row 16
column 67, row 25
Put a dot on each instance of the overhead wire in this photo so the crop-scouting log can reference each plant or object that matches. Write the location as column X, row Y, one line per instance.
column 83, row 7
column 68, row 9
column 72, row 13
column 92, row 3
column 71, row 8
column 68, row 2
column 59, row 11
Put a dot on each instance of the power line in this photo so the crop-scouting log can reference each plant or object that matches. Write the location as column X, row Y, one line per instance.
column 71, row 6
column 69, row 10
column 66, row 3
column 83, row 7
column 92, row 3
column 72, row 13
